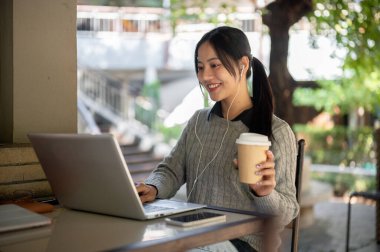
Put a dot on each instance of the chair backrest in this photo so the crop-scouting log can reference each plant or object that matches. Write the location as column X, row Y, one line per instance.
column 299, row 167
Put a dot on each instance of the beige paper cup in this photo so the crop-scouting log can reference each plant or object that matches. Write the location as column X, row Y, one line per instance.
column 251, row 151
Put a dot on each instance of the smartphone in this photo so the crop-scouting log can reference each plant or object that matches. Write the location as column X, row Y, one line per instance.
column 190, row 220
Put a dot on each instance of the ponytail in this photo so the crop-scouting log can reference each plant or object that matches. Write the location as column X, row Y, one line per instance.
column 230, row 45
column 262, row 100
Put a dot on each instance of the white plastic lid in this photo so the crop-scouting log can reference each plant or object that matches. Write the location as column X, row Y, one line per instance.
column 253, row 139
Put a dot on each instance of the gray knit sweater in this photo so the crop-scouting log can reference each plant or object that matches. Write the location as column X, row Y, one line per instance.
column 218, row 184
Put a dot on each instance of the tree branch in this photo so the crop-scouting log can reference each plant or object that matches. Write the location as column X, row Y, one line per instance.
column 285, row 13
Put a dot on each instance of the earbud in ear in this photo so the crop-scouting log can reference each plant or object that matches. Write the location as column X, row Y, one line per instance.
column 241, row 72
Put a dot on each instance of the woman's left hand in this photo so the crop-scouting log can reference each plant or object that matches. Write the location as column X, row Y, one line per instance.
column 266, row 185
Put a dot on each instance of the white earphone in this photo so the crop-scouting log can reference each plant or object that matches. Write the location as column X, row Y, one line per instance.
column 197, row 174
column 242, row 70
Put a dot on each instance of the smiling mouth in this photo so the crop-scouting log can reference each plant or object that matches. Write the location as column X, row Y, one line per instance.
column 213, row 86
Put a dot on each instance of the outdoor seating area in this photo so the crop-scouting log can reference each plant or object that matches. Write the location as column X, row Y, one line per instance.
column 328, row 233
column 177, row 83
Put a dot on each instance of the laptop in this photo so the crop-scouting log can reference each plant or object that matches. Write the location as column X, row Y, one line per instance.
column 89, row 173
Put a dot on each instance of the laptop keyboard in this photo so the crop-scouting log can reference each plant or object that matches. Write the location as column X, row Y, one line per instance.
column 148, row 208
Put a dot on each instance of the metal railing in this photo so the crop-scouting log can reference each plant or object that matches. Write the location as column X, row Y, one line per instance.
column 110, row 99
column 104, row 95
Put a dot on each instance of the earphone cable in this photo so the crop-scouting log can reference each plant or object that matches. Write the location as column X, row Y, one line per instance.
column 220, row 147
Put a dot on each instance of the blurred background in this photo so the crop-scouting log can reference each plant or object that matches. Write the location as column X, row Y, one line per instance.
column 136, row 74
column 136, row 79
column 126, row 67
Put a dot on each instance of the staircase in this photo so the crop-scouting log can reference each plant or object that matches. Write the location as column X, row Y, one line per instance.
column 140, row 163
column 106, row 103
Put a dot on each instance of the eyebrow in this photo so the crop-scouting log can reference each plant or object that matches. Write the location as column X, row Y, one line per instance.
column 210, row 59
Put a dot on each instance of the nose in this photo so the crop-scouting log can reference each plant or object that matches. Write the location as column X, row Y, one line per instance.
column 205, row 75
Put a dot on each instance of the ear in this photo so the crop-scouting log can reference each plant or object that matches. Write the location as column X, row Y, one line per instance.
column 244, row 63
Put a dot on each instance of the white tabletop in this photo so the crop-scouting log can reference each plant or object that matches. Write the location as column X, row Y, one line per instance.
column 81, row 231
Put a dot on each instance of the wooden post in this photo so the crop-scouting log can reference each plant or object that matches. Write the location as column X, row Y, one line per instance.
column 377, row 142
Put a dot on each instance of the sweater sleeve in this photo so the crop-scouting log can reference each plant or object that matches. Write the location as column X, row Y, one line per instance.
column 282, row 200
column 170, row 174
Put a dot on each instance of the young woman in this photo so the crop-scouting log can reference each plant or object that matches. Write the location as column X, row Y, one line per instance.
column 205, row 156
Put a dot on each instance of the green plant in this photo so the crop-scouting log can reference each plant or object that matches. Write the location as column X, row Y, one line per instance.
column 354, row 27
column 147, row 104
column 170, row 133
column 343, row 183
column 339, row 145
column 346, row 94
column 195, row 12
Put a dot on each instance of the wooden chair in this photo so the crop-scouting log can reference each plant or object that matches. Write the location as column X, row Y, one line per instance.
column 294, row 225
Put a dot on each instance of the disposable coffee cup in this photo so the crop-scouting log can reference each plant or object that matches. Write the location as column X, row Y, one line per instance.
column 251, row 151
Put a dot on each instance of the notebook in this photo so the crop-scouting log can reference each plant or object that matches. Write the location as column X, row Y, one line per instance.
column 89, row 173
column 14, row 217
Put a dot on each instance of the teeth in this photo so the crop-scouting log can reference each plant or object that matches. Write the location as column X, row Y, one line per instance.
column 213, row 85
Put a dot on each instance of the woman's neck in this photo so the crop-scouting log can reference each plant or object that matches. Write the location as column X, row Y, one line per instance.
column 239, row 105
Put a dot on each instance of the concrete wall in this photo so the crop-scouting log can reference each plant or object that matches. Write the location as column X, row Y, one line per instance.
column 6, row 70
column 38, row 89
column 43, row 55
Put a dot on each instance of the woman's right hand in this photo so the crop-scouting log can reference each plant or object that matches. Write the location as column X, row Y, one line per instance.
column 146, row 192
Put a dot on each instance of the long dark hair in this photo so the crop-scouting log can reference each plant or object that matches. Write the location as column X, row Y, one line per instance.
column 231, row 44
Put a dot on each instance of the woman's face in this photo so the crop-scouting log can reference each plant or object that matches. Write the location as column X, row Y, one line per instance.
column 212, row 74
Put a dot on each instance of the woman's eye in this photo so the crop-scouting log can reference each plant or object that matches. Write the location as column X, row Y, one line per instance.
column 215, row 65
column 200, row 68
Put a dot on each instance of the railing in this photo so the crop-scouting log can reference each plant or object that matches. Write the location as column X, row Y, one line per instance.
column 104, row 95
column 86, row 121
column 110, row 99
column 121, row 19
column 94, row 19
